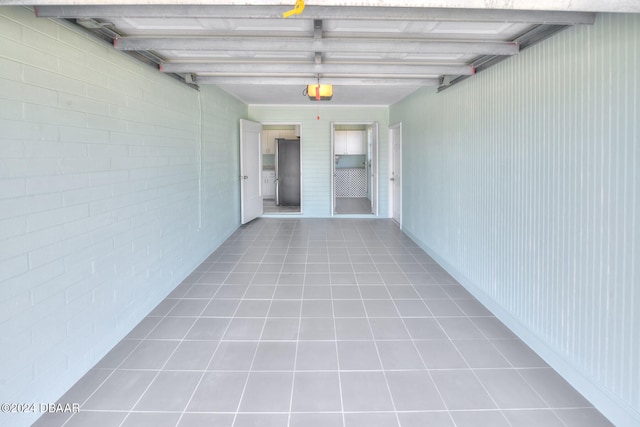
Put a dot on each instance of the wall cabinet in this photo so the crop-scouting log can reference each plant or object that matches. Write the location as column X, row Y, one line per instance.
column 350, row 142
column 269, row 137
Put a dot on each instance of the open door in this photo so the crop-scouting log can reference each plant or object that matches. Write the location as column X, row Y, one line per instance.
column 373, row 159
column 395, row 137
column 250, row 171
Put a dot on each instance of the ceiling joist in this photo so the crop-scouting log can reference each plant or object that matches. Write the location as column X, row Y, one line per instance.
column 303, row 81
column 318, row 12
column 304, row 69
column 290, row 44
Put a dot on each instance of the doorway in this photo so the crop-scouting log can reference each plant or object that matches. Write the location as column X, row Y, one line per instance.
column 354, row 184
column 395, row 172
column 281, row 168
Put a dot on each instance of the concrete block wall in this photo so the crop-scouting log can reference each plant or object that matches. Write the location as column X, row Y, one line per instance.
column 115, row 183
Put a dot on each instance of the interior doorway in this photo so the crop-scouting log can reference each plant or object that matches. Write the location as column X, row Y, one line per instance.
column 354, row 185
column 395, row 172
column 281, row 168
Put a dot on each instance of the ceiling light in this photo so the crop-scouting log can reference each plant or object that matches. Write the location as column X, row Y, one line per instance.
column 319, row 92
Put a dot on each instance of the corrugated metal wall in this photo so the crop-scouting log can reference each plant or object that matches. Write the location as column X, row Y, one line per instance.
column 524, row 181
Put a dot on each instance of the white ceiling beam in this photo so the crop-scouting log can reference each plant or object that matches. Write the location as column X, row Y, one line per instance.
column 303, row 69
column 290, row 44
column 302, row 81
column 482, row 14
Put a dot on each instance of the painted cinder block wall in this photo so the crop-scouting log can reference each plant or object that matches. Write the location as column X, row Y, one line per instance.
column 316, row 148
column 112, row 190
column 524, row 182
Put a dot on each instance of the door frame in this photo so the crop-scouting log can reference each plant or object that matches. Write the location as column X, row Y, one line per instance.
column 247, row 213
column 374, row 125
column 392, row 193
column 301, row 210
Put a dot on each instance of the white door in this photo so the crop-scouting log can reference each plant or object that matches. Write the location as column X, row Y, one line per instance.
column 250, row 171
column 373, row 157
column 396, row 172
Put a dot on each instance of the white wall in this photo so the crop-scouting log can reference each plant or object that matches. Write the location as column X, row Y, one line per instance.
column 104, row 205
column 316, row 148
column 523, row 181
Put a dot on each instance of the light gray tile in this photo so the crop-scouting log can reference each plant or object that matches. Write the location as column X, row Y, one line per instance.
column 253, row 308
column 265, row 278
column 493, row 329
column 285, row 308
column 316, row 420
column 429, row 292
column 96, row 418
column 365, row 391
column 85, row 386
column 267, row 392
column 374, row 292
column 145, row 326
column 533, row 418
column 316, row 292
column 422, row 419
column 218, row 392
column 412, row 308
column 380, row 308
column 509, row 389
column 460, row 328
column 316, row 356
column 424, row 329
column 370, row 420
column 189, row 307
column 444, row 307
column 261, row 420
column 413, row 391
column 291, row 278
column 481, row 354
column 221, row 307
column 399, row 355
column 317, row 329
column 150, row 355
column 316, row 392
column 233, row 356
column 231, row 291
column 440, row 355
column 118, row 354
column 317, row 308
column 388, row 329
column 353, row 329
column 358, row 355
column 192, row 355
column 169, row 391
column 199, row 420
column 480, row 418
column 208, row 328
column 281, row 329
column 120, row 391
column 461, row 390
column 554, row 389
column 519, row 354
column 262, row 291
column 343, row 279
column 472, row 307
column 202, row 291
column 172, row 328
column 322, row 279
column 275, row 356
column 583, row 417
column 348, row 308
column 241, row 329
column 345, row 292
column 288, row 292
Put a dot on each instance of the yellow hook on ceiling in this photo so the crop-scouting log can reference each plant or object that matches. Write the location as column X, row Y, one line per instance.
column 297, row 9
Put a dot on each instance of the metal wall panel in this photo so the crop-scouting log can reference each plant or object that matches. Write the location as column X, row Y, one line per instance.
column 524, row 182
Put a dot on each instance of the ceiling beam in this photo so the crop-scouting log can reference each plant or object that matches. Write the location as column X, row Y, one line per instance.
column 300, row 44
column 317, row 12
column 307, row 69
column 302, row 81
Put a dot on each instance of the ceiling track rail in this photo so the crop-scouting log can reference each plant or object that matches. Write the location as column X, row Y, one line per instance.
column 527, row 40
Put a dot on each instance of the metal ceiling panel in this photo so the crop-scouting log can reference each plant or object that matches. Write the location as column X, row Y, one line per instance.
column 390, row 51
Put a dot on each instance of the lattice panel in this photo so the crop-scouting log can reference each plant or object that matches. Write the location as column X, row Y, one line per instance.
column 351, row 182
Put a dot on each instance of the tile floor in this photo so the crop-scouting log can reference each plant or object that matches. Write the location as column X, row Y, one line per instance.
column 352, row 205
column 322, row 323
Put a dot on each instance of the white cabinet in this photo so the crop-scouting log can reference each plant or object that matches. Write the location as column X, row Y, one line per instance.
column 349, row 142
column 269, row 184
column 269, row 137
